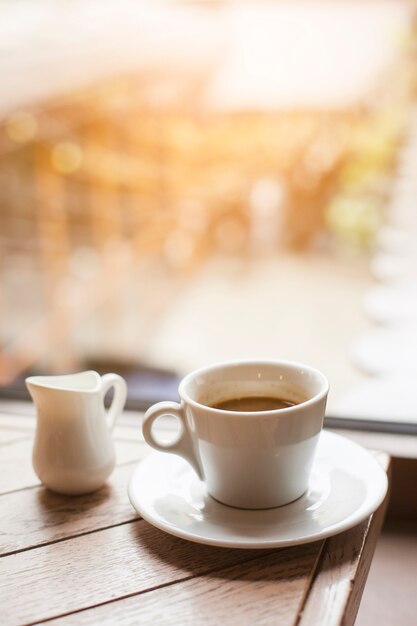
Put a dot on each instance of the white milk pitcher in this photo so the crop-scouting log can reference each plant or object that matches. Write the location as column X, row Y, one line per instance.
column 74, row 451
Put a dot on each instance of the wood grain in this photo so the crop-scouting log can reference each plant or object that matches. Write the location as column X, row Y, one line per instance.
column 340, row 579
column 16, row 471
column 32, row 517
column 15, row 426
column 15, row 421
column 17, row 407
column 22, row 415
column 27, row 421
column 266, row 590
column 9, row 435
column 100, row 567
column 90, row 560
column 24, row 411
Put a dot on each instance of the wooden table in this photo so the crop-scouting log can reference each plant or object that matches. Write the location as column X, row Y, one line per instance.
column 91, row 560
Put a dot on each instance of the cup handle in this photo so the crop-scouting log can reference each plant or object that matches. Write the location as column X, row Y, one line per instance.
column 183, row 445
column 119, row 399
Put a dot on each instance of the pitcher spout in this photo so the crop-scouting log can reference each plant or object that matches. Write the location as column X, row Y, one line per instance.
column 49, row 392
column 82, row 381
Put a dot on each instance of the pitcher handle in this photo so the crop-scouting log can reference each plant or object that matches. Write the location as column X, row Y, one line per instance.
column 119, row 398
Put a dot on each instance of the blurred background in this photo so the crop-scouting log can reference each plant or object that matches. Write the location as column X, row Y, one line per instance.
column 183, row 182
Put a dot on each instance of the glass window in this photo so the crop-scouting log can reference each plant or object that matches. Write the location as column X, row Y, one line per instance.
column 188, row 182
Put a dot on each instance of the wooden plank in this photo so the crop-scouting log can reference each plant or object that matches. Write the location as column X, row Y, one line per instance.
column 104, row 566
column 128, row 451
column 128, row 432
column 20, row 409
column 32, row 517
column 128, row 425
column 23, row 415
column 129, row 428
column 267, row 590
column 134, row 420
column 16, row 471
column 332, row 596
column 340, row 578
column 9, row 435
column 17, row 408
column 18, row 422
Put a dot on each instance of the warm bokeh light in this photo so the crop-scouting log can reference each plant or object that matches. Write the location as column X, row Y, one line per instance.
column 179, row 248
column 67, row 157
column 163, row 135
column 21, row 126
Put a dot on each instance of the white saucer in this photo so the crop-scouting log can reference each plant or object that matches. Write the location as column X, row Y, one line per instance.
column 346, row 486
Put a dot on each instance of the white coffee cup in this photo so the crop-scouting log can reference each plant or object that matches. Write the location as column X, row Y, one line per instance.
column 250, row 460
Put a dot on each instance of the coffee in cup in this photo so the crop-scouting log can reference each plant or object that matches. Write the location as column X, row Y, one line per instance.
column 248, row 428
column 249, row 404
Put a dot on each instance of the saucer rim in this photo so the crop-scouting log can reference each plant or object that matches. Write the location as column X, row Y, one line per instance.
column 352, row 520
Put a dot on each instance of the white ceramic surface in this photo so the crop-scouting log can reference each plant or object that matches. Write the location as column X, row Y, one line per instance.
column 235, row 452
column 73, row 451
column 346, row 485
